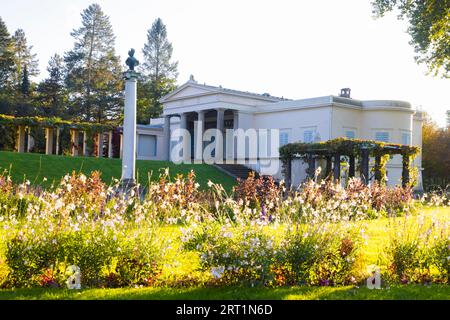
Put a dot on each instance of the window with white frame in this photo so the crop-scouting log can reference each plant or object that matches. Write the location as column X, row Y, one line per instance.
column 406, row 138
column 284, row 137
column 382, row 136
column 350, row 134
column 308, row 136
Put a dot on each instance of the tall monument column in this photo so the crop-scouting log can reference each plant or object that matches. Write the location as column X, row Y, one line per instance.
column 129, row 123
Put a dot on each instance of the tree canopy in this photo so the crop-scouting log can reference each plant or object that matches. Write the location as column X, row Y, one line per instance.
column 429, row 28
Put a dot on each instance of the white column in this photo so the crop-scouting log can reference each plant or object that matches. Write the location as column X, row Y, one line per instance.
column 121, row 146
column 30, row 140
column 185, row 137
column 20, row 142
column 198, row 136
column 85, row 144
column 74, row 142
column 48, row 140
column 219, row 136
column 99, row 145
column 129, row 129
column 58, row 133
column 110, row 144
column 166, row 138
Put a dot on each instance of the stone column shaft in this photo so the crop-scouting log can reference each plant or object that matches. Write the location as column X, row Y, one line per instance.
column 185, row 137
column 110, row 144
column 129, row 130
column 58, row 133
column 30, row 143
column 219, row 137
column 85, row 144
column 100, row 145
column 20, row 142
column 198, row 139
column 166, row 138
column 48, row 140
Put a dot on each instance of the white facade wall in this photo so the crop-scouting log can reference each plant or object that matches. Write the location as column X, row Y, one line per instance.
column 327, row 117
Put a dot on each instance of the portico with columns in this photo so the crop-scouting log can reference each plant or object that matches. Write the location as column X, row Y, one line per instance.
column 198, row 108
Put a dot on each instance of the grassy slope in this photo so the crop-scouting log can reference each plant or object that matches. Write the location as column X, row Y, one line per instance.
column 35, row 167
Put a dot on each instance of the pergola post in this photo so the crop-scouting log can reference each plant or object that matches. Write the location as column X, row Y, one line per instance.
column 58, row 132
column 20, row 142
column 288, row 173
column 406, row 164
column 328, row 166
column 364, row 173
column 74, row 142
column 337, row 167
column 48, row 140
column 30, row 142
column 378, row 168
column 99, row 145
column 351, row 168
column 311, row 166
column 110, row 144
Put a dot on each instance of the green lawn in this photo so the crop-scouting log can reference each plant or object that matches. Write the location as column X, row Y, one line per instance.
column 35, row 167
column 406, row 292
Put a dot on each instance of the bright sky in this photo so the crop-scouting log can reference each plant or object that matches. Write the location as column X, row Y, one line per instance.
column 296, row 49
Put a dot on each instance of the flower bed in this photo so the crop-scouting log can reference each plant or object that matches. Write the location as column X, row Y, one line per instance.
column 261, row 235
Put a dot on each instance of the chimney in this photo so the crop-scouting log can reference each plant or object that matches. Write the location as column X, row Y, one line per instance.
column 345, row 92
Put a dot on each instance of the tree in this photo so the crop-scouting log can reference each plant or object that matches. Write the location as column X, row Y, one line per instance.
column 23, row 59
column 429, row 28
column 6, row 56
column 25, row 83
column 94, row 73
column 435, row 154
column 52, row 95
column 159, row 73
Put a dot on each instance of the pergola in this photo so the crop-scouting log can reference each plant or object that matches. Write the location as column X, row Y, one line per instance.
column 53, row 127
column 333, row 151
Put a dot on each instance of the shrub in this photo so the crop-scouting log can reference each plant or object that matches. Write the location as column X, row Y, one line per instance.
column 418, row 252
column 320, row 255
column 233, row 255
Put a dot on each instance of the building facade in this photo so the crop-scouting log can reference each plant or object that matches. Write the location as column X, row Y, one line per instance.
column 197, row 108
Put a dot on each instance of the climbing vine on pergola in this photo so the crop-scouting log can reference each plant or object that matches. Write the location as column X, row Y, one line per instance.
column 352, row 148
column 52, row 126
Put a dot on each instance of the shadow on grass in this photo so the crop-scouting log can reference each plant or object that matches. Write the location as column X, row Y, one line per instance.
column 408, row 292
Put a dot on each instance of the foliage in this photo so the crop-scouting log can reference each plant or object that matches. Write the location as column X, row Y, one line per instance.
column 23, row 58
column 233, row 255
column 415, row 249
column 159, row 73
column 94, row 72
column 52, row 94
column 6, row 120
column 320, row 255
column 429, row 28
column 435, row 155
column 259, row 192
column 6, row 57
column 345, row 146
column 314, row 237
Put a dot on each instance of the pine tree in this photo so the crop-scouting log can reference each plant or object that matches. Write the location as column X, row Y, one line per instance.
column 23, row 58
column 94, row 73
column 52, row 94
column 158, row 71
column 6, row 56
column 25, row 83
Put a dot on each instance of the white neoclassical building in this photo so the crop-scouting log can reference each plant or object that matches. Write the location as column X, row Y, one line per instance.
column 199, row 107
